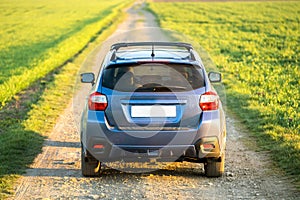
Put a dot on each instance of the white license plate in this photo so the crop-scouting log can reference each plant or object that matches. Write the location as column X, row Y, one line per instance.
column 153, row 111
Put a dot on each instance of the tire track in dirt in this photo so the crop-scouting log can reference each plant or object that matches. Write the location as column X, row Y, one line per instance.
column 55, row 173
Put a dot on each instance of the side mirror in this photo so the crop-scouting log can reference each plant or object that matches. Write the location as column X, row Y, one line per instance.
column 88, row 78
column 214, row 77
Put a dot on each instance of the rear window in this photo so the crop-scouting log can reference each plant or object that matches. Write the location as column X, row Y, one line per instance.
column 153, row 77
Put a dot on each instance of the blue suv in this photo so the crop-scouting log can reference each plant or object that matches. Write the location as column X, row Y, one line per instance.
column 153, row 101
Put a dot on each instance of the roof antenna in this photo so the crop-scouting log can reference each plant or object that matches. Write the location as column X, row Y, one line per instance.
column 152, row 54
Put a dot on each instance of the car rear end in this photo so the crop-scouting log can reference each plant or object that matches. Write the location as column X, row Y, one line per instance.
column 161, row 109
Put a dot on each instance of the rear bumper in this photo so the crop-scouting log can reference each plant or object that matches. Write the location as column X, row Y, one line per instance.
column 206, row 141
column 143, row 153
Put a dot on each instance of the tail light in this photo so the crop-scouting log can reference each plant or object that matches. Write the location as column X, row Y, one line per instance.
column 209, row 101
column 97, row 101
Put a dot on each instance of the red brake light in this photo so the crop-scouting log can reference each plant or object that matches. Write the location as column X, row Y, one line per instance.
column 209, row 101
column 97, row 101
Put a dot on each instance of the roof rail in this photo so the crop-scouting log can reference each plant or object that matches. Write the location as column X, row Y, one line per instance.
column 173, row 44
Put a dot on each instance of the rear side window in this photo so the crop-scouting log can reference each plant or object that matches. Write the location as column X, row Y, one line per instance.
column 153, row 77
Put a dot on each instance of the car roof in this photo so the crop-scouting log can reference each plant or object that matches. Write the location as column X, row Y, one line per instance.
column 173, row 52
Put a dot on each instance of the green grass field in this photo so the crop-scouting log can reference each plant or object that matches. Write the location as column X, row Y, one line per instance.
column 256, row 45
column 38, row 36
column 42, row 47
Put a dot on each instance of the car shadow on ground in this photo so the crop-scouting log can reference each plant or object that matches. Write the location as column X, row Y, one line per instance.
column 69, row 169
column 147, row 169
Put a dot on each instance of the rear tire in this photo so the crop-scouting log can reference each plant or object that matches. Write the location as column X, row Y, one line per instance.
column 90, row 167
column 214, row 168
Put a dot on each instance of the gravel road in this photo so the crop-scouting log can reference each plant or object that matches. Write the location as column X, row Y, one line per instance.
column 56, row 172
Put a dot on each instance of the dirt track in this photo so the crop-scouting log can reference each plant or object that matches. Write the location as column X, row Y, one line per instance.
column 56, row 172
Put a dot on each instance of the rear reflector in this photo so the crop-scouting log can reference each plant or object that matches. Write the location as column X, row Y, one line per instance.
column 209, row 101
column 208, row 146
column 98, row 146
column 97, row 101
